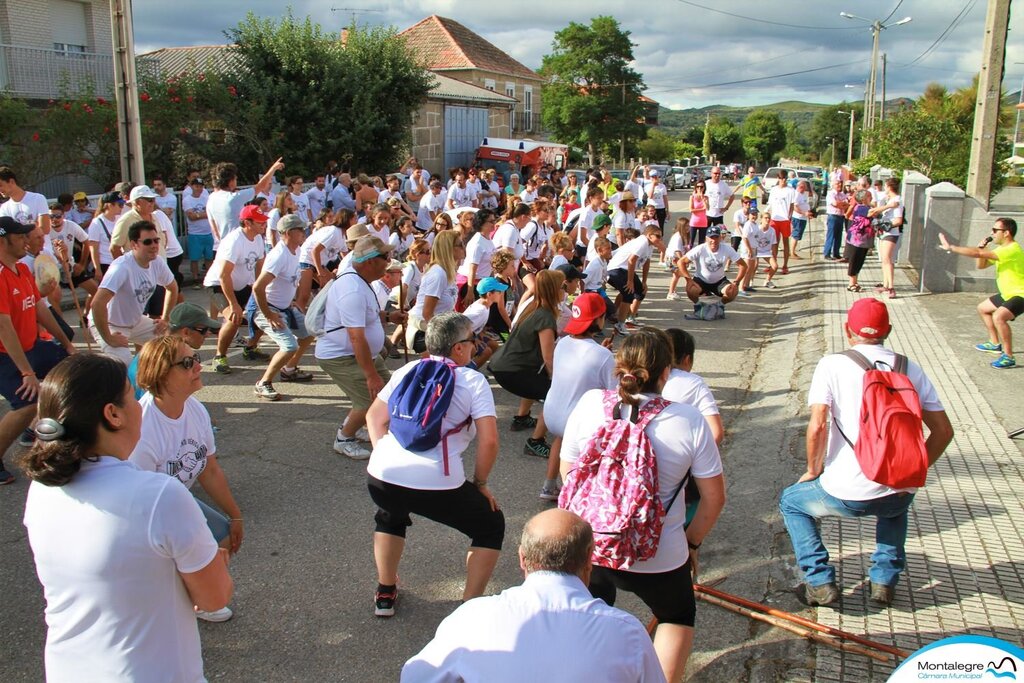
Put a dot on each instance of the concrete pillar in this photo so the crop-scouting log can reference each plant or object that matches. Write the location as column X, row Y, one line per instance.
column 944, row 211
column 913, row 199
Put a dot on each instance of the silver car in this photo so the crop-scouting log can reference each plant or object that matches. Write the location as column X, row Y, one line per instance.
column 770, row 178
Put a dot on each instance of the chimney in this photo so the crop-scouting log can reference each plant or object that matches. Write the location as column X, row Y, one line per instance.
column 344, row 37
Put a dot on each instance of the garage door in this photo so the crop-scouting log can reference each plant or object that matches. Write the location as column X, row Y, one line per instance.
column 464, row 130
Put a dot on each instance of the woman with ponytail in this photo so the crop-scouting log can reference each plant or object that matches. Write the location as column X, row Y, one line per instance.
column 123, row 555
column 683, row 445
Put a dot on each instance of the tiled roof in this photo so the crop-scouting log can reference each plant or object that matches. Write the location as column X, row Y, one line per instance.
column 175, row 60
column 450, row 89
column 443, row 44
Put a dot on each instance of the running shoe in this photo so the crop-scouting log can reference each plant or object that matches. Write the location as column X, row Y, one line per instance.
column 351, row 448
column 1004, row 362
column 5, row 476
column 521, row 423
column 265, row 390
column 549, row 492
column 745, row 292
column 989, row 347
column 631, row 321
column 216, row 616
column 384, row 603
column 673, row 296
column 770, row 285
column 296, row 375
column 220, row 365
column 620, row 328
column 27, row 438
column 254, row 354
column 537, row 447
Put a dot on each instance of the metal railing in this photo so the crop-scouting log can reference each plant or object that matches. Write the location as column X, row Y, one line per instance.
column 38, row 73
column 525, row 122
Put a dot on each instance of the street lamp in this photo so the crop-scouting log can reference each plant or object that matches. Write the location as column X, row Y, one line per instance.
column 876, row 28
column 849, row 147
column 863, row 123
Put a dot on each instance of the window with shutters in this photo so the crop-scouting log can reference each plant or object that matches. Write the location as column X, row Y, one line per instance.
column 69, row 26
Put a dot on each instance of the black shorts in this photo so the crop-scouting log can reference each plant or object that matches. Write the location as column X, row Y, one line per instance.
column 529, row 385
column 617, row 279
column 464, row 509
column 1015, row 305
column 716, row 220
column 711, row 288
column 669, row 595
column 241, row 295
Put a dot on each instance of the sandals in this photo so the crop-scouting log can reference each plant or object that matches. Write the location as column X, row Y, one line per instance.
column 853, row 288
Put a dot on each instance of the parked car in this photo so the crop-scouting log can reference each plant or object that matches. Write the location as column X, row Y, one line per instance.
column 768, row 180
column 683, row 176
column 666, row 174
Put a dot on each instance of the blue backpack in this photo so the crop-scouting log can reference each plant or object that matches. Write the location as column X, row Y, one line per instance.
column 418, row 405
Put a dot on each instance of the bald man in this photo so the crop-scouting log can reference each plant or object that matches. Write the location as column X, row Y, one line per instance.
column 549, row 628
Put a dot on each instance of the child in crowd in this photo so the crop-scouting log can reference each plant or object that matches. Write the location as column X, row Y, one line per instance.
column 674, row 255
column 570, row 202
column 761, row 243
column 739, row 221
column 485, row 341
column 561, row 247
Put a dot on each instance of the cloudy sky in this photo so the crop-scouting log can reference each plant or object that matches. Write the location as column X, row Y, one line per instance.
column 689, row 55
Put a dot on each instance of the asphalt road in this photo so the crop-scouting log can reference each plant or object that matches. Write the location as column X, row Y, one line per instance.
column 304, row 578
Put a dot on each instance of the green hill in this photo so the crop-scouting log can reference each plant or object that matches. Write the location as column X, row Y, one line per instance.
column 675, row 121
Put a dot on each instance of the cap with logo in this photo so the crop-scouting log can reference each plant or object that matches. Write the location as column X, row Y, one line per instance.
column 868, row 318
column 714, row 231
column 9, row 226
column 369, row 247
column 190, row 315
column 490, row 284
column 111, row 198
column 196, row 181
column 251, row 212
column 290, row 222
column 586, row 308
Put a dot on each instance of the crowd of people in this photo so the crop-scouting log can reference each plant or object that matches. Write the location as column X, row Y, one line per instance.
column 529, row 287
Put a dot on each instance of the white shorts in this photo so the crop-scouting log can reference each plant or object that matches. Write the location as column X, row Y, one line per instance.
column 140, row 333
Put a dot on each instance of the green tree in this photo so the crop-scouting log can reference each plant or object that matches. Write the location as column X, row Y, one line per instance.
column 724, row 139
column 684, row 150
column 694, row 135
column 763, row 135
column 829, row 124
column 591, row 94
column 304, row 95
column 658, row 145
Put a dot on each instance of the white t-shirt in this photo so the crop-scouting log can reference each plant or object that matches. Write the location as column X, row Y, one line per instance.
column 507, row 237
column 478, row 253
column 779, row 201
column 100, row 231
column 691, row 389
column 108, row 547
column 640, row 247
column 675, row 246
column 315, row 198
column 191, row 203
column 587, row 216
column 167, row 201
column 390, row 462
column 132, row 286
column 411, row 278
column 837, row 383
column 657, row 194
column 461, row 197
column 558, row 260
column 285, row 267
column 175, row 447
column 711, row 264
column 243, row 253
column 383, row 233
column 223, row 208
column 717, row 195
column 621, row 221
column 301, row 207
column 681, row 440
column 31, row 207
column 333, row 240
column 429, row 203
column 528, row 197
column 70, row 232
column 760, row 240
column 893, row 213
column 351, row 302
column 401, row 243
column 803, row 204
column 739, row 219
column 595, row 274
column 579, row 366
column 170, row 245
column 382, row 292
column 435, row 283
column 478, row 313
column 534, row 236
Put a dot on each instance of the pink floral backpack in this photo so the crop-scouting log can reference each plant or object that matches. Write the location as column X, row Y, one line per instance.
column 614, row 486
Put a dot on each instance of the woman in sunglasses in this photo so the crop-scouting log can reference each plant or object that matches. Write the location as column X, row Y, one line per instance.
column 177, row 438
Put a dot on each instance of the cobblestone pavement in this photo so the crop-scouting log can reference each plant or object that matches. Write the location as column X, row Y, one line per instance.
column 965, row 551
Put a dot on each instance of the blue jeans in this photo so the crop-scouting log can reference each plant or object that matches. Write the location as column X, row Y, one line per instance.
column 835, row 227
column 804, row 503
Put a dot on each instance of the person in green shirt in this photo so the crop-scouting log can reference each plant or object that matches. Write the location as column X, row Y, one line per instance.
column 998, row 310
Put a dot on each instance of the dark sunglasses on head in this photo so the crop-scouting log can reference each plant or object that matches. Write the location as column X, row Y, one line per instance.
column 149, row 241
column 189, row 361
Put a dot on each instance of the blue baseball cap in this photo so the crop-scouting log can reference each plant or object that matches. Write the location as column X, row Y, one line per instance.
column 490, row 284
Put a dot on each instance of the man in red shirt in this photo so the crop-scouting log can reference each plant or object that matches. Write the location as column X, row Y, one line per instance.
column 24, row 358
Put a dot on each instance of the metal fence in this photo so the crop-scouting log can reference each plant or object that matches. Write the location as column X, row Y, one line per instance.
column 37, row 73
column 525, row 122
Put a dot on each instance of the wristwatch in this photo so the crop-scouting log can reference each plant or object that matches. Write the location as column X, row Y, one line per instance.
column 479, row 483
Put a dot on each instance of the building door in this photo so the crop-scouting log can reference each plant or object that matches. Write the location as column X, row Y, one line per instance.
column 464, row 130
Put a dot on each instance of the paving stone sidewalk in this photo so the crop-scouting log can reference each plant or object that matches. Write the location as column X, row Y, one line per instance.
column 965, row 551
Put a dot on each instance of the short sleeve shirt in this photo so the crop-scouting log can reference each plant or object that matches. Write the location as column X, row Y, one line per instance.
column 192, row 203
column 223, row 208
column 18, row 297
column 639, row 246
column 176, row 447
column 1009, row 270
column 28, row 210
column 711, row 264
column 132, row 286
column 351, row 303
column 285, row 267
column 243, row 254
column 435, row 283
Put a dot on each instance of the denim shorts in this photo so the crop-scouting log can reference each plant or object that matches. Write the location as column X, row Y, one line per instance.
column 287, row 338
column 799, row 225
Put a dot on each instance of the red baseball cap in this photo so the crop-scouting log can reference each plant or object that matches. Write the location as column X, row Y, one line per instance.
column 250, row 212
column 586, row 309
column 868, row 318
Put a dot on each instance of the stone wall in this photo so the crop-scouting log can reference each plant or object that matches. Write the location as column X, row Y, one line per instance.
column 428, row 136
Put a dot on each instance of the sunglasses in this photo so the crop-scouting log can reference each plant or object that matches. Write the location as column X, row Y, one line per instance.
column 189, row 361
column 999, row 230
column 463, row 341
column 149, row 241
column 201, row 330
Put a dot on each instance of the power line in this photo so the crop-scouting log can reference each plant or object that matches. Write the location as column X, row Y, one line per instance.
column 765, row 21
column 945, row 34
column 893, row 11
column 759, row 78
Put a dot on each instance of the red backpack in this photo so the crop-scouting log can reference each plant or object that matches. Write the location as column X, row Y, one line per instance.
column 614, row 486
column 890, row 446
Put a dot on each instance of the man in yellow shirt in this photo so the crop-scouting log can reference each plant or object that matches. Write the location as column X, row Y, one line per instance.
column 998, row 310
column 751, row 188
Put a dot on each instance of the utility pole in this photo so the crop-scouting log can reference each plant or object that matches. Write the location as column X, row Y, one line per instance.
column 881, row 111
column 849, row 147
column 622, row 141
column 986, row 110
column 126, row 95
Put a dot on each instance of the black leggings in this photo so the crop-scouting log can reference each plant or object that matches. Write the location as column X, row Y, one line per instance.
column 524, row 384
column 661, row 214
column 669, row 594
column 856, row 256
column 464, row 509
column 697, row 236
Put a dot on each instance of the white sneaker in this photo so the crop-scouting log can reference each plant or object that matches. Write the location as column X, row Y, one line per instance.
column 621, row 329
column 223, row 614
column 673, row 296
column 351, row 448
column 362, row 435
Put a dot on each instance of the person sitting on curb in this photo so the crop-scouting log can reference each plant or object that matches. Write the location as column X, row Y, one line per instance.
column 998, row 310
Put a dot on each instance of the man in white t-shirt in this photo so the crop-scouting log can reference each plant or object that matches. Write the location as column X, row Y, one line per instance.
column 349, row 350
column 118, row 310
column 316, row 196
column 277, row 315
column 430, row 206
column 719, row 197
column 781, row 200
column 834, row 483
column 711, row 258
column 460, row 195
column 27, row 208
column 166, row 201
column 238, row 264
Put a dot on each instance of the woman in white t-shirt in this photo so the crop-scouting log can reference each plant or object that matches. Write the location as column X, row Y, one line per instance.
column 284, row 205
column 321, row 253
column 682, row 445
column 580, row 364
column 177, row 437
column 891, row 212
column 412, row 273
column 432, row 483
column 100, row 230
column 438, row 291
column 477, row 263
column 123, row 555
column 683, row 386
